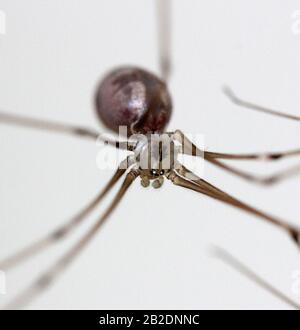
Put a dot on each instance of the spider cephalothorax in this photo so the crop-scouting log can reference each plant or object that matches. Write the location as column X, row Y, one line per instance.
column 155, row 155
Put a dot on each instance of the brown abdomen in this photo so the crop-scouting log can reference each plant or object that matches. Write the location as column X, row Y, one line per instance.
column 135, row 98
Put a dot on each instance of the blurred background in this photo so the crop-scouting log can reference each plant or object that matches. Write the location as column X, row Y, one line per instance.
column 153, row 251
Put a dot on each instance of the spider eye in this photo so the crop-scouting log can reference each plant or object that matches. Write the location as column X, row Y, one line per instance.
column 162, row 172
column 154, row 172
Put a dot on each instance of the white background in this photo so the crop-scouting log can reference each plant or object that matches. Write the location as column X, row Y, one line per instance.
column 153, row 252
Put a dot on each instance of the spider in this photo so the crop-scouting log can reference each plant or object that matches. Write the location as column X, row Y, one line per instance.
column 138, row 100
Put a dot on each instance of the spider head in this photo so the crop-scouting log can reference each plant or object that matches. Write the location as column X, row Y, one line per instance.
column 154, row 175
column 156, row 154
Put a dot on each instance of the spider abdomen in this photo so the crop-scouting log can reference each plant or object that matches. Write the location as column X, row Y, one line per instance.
column 135, row 98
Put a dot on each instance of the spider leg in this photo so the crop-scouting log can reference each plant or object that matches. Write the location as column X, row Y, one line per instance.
column 53, row 126
column 190, row 148
column 233, row 262
column 263, row 156
column 164, row 37
column 230, row 94
column 264, row 180
column 48, row 277
column 63, row 231
column 181, row 177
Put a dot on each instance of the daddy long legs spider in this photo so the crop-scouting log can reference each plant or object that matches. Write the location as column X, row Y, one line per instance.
column 150, row 116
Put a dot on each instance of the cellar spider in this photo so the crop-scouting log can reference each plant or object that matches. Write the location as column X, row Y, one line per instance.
column 140, row 101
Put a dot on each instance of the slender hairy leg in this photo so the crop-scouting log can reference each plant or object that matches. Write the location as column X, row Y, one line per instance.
column 164, row 37
column 52, row 126
column 201, row 186
column 63, row 231
column 264, row 180
column 262, row 156
column 233, row 262
column 48, row 277
column 190, row 148
column 256, row 107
